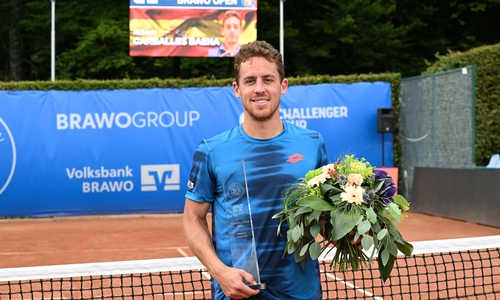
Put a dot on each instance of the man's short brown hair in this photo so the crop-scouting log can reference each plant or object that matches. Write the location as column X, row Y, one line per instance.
column 258, row 49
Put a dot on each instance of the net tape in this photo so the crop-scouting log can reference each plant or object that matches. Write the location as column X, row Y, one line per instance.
column 467, row 268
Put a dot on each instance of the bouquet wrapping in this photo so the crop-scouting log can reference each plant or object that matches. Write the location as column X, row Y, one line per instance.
column 348, row 207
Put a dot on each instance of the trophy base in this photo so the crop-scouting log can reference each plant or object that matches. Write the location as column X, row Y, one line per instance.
column 261, row 286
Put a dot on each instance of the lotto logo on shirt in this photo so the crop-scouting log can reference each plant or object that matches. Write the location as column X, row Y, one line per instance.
column 160, row 177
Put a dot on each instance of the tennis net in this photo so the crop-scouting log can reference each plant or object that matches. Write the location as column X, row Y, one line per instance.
column 467, row 268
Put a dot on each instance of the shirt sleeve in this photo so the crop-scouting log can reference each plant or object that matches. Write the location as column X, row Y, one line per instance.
column 201, row 184
column 322, row 153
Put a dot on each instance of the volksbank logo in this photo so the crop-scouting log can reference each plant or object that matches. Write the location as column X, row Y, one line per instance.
column 160, row 178
column 102, row 179
column 7, row 156
column 110, row 180
column 102, row 172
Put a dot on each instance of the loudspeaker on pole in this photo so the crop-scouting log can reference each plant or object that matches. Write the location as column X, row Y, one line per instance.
column 385, row 120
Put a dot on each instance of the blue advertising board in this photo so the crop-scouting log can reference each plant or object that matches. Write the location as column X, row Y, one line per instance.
column 65, row 153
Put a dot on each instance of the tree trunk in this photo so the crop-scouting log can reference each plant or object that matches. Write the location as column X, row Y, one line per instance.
column 15, row 45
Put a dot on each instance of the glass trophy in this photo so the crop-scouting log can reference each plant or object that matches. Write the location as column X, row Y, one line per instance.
column 240, row 225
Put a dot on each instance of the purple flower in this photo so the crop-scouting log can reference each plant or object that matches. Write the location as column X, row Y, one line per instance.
column 388, row 189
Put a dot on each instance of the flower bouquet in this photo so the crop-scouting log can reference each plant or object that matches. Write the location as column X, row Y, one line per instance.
column 340, row 204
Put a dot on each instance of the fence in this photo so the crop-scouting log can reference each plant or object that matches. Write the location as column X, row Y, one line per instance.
column 437, row 122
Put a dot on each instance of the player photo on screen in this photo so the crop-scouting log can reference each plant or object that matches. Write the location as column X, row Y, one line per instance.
column 192, row 28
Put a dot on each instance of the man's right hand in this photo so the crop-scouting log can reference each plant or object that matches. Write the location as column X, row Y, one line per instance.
column 231, row 280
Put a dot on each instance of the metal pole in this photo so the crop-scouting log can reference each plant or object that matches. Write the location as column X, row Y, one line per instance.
column 282, row 32
column 53, row 42
column 383, row 162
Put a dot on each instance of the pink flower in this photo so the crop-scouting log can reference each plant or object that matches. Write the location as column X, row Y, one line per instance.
column 354, row 179
column 329, row 170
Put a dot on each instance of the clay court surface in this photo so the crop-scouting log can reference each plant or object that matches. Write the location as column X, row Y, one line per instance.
column 68, row 240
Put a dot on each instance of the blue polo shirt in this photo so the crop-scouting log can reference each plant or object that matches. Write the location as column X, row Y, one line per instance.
column 271, row 165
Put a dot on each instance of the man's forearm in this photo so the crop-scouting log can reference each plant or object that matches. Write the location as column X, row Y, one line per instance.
column 199, row 240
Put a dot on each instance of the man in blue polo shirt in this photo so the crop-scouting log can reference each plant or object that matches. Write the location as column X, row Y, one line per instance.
column 231, row 31
column 276, row 154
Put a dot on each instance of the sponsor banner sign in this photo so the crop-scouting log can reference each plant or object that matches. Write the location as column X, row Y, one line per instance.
column 191, row 28
column 130, row 151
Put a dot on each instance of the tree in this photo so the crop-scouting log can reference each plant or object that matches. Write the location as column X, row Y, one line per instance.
column 15, row 42
column 348, row 37
column 321, row 37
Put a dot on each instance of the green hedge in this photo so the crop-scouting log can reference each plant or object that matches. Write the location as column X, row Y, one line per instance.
column 393, row 78
column 487, row 62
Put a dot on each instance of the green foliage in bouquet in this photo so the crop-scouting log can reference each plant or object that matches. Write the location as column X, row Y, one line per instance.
column 343, row 202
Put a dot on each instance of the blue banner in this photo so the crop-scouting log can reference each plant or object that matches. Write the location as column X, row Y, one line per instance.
column 68, row 153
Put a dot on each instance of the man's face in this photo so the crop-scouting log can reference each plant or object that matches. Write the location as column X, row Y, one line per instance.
column 260, row 89
column 231, row 30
